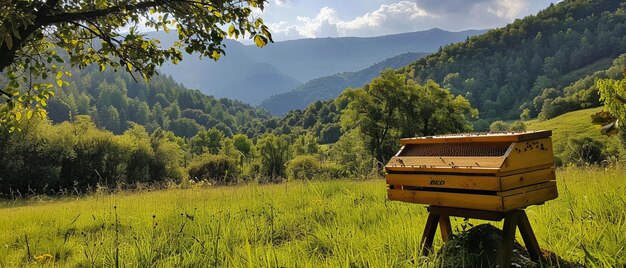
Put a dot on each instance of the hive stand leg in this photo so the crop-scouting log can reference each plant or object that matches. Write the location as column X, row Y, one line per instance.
column 508, row 236
column 529, row 237
column 445, row 227
column 429, row 233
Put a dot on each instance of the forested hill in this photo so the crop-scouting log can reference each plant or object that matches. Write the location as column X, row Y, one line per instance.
column 329, row 87
column 114, row 100
column 502, row 71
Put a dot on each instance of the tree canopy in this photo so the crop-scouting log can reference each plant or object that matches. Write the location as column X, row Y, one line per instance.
column 613, row 94
column 393, row 107
column 107, row 33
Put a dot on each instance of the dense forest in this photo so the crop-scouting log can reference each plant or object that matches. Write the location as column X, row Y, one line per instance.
column 581, row 94
column 105, row 131
column 502, row 71
column 114, row 99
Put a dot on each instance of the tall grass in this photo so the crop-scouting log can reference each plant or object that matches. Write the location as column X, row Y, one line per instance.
column 296, row 224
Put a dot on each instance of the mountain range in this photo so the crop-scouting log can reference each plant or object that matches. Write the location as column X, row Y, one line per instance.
column 329, row 87
column 252, row 74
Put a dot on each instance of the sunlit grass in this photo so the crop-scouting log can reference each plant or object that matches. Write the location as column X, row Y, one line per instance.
column 571, row 125
column 296, row 224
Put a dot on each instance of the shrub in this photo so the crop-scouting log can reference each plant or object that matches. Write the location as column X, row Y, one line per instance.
column 518, row 126
column 481, row 125
column 525, row 115
column 332, row 171
column 274, row 152
column 215, row 168
column 498, row 126
column 303, row 167
column 356, row 161
column 585, row 151
column 308, row 167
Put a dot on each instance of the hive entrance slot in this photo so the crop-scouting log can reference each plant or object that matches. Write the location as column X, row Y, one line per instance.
column 441, row 173
column 449, row 190
column 488, row 149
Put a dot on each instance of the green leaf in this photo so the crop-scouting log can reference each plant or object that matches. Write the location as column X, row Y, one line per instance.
column 59, row 82
column 258, row 22
column 260, row 41
column 9, row 41
column 18, row 116
column 266, row 32
column 29, row 114
column 215, row 55
column 231, row 30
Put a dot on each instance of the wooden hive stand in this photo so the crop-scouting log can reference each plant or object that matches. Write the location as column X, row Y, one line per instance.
column 512, row 220
column 489, row 176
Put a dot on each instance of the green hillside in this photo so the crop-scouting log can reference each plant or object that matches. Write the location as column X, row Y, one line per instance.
column 114, row 101
column 581, row 94
column 569, row 125
column 502, row 71
column 572, row 126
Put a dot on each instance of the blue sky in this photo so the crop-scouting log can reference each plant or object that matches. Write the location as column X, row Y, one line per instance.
column 294, row 19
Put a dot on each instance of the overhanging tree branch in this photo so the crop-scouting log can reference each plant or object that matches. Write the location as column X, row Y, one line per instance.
column 91, row 33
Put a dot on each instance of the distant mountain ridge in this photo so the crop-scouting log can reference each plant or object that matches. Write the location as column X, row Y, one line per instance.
column 329, row 87
column 252, row 74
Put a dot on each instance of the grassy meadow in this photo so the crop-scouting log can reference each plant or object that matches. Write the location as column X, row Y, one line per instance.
column 577, row 125
column 295, row 224
column 571, row 125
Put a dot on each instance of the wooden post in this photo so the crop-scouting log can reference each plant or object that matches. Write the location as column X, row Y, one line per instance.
column 429, row 233
column 508, row 237
column 512, row 220
column 445, row 227
column 529, row 237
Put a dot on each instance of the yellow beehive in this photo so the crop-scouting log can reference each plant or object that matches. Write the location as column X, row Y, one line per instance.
column 494, row 171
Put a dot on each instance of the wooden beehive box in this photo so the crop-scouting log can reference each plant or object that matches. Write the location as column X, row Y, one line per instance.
column 493, row 171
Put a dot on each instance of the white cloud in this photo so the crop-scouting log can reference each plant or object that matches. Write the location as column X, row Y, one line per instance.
column 324, row 24
column 281, row 3
column 387, row 16
column 397, row 16
column 400, row 16
column 508, row 9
